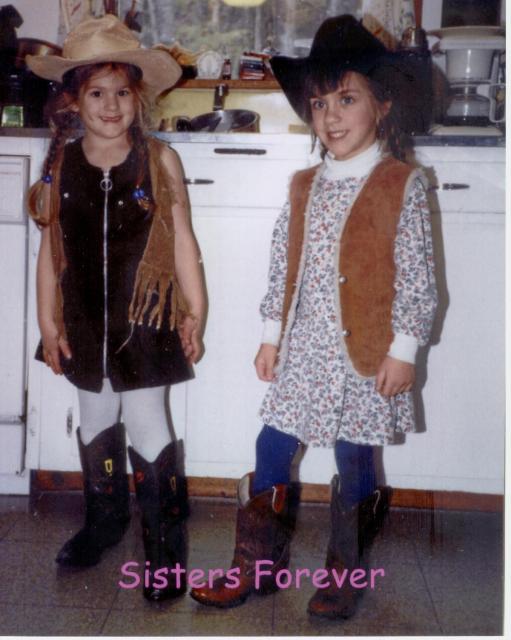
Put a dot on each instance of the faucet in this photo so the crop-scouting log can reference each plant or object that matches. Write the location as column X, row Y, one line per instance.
column 221, row 90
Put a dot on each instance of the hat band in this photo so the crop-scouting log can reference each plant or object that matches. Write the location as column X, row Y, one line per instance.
column 90, row 49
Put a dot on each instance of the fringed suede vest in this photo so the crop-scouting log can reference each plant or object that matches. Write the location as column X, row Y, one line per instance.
column 156, row 271
column 366, row 263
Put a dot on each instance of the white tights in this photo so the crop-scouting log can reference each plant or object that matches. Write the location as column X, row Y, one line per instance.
column 143, row 413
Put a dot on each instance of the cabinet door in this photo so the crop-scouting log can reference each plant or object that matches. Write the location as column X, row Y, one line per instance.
column 223, row 399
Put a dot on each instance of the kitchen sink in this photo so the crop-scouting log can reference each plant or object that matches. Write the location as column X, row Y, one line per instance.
column 221, row 121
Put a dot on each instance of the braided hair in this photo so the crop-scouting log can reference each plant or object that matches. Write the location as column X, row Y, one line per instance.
column 64, row 122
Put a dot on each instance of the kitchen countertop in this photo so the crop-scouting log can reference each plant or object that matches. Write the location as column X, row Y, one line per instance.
column 272, row 138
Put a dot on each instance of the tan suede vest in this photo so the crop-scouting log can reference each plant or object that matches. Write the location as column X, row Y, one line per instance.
column 366, row 263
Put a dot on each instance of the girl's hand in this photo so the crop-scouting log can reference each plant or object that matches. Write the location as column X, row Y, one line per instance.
column 394, row 376
column 265, row 361
column 191, row 339
column 53, row 345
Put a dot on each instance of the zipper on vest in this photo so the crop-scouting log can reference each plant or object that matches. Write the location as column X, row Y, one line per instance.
column 106, row 186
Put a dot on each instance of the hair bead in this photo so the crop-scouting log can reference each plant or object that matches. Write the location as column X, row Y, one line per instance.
column 47, row 178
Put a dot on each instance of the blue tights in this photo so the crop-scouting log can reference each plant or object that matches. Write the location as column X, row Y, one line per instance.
column 275, row 451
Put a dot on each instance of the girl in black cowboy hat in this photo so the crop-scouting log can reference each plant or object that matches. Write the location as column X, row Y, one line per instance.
column 351, row 296
column 121, row 302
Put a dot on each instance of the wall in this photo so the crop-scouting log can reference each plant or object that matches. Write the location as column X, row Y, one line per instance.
column 40, row 19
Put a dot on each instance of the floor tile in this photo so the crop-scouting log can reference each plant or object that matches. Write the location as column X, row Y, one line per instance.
column 468, row 613
column 29, row 575
column 212, row 526
column 51, row 621
column 464, row 536
column 168, row 622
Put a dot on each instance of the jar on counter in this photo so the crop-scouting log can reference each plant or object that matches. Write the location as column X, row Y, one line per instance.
column 12, row 109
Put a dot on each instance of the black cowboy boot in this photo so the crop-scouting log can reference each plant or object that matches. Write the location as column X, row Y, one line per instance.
column 263, row 529
column 106, row 491
column 163, row 499
column 353, row 530
column 371, row 515
column 334, row 602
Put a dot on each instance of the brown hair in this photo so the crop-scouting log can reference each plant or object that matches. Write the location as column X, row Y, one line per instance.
column 324, row 80
column 64, row 121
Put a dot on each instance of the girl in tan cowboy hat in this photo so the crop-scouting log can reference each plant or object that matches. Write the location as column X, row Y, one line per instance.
column 351, row 296
column 121, row 301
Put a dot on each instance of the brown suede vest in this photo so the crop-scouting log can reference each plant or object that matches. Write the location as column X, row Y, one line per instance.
column 366, row 263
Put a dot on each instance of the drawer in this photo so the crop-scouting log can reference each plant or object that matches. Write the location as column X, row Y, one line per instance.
column 474, row 185
column 238, row 183
column 241, row 176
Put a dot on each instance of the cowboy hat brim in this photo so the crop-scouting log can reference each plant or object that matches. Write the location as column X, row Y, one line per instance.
column 292, row 74
column 159, row 70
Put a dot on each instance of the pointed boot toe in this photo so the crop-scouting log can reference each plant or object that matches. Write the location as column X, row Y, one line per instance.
column 106, row 491
column 80, row 551
column 153, row 594
column 333, row 605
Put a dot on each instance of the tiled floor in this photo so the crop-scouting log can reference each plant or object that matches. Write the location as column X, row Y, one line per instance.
column 443, row 576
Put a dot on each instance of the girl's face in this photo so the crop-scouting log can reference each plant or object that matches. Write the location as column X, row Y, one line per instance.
column 107, row 105
column 346, row 120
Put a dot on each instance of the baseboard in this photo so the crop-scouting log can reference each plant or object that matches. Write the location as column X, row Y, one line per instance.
column 226, row 488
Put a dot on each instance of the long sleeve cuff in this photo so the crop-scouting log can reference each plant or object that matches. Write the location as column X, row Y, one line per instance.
column 404, row 347
column 271, row 332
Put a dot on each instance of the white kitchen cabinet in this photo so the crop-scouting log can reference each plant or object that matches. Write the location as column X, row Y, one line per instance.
column 462, row 447
column 236, row 197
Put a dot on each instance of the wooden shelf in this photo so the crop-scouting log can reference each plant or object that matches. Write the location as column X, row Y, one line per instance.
column 252, row 85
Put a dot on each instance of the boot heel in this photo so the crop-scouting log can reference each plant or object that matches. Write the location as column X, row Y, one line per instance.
column 267, row 586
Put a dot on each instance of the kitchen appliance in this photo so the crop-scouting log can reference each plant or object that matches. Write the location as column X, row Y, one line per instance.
column 416, row 98
column 474, row 67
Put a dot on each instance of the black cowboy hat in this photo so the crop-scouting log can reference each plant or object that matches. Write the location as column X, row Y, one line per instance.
column 340, row 44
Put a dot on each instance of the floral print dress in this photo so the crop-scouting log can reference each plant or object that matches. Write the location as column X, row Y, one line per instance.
column 316, row 396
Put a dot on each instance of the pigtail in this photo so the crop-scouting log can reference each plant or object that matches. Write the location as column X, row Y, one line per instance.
column 35, row 198
column 62, row 123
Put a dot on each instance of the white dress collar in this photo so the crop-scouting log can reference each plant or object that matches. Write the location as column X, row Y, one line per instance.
column 356, row 167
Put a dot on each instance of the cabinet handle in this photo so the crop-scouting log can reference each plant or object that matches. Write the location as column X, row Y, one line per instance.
column 449, row 186
column 198, row 181
column 69, row 422
column 240, row 152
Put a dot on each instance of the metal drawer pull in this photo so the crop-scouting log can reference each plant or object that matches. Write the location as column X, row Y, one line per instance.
column 198, row 181
column 241, row 152
column 449, row 186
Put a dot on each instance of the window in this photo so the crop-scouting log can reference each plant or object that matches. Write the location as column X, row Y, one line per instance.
column 285, row 25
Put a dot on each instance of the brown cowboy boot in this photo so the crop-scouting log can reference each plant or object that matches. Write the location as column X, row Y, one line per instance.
column 106, row 491
column 262, row 533
column 334, row 602
column 162, row 495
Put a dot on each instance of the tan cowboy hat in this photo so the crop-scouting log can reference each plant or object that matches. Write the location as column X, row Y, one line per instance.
column 107, row 39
